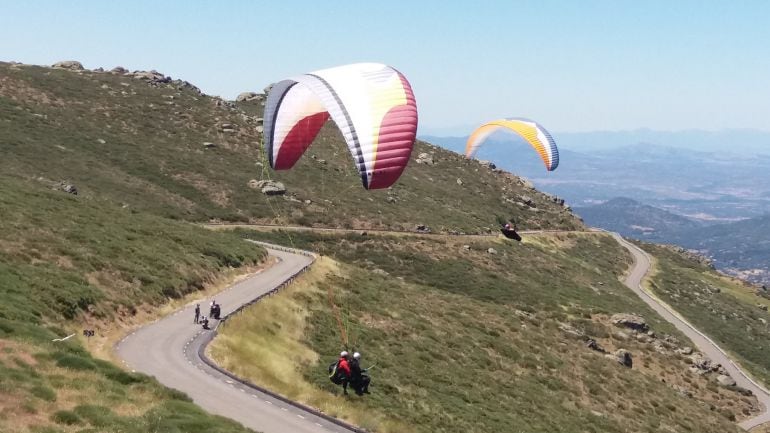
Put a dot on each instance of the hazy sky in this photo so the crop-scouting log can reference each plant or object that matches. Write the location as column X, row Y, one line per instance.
column 571, row 65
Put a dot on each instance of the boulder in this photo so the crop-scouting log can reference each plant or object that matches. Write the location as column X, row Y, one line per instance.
column 467, row 247
column 762, row 307
column 459, row 181
column 67, row 187
column 687, row 350
column 72, row 65
column 421, row 228
column 425, row 158
column 725, row 380
column 152, row 77
column 701, row 362
column 488, row 164
column 491, row 250
column 119, row 70
column 209, row 145
column 269, row 187
column 268, row 88
column 631, row 321
column 623, row 357
column 248, row 96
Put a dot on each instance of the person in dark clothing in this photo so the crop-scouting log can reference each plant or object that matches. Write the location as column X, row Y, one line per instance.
column 197, row 313
column 211, row 308
column 217, row 311
column 205, row 322
column 359, row 380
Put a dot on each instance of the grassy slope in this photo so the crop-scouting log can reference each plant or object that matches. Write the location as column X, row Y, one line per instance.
column 470, row 341
column 152, row 159
column 66, row 260
column 730, row 316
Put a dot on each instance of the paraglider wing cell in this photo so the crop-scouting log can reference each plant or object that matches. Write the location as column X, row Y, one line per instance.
column 372, row 104
column 532, row 132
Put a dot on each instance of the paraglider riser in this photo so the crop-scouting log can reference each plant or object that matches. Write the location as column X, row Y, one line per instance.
column 211, row 335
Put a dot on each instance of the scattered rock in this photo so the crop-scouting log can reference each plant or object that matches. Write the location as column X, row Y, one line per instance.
column 467, row 247
column 209, row 145
column 260, row 129
column 249, row 96
column 253, row 184
column 701, row 362
column 267, row 89
column 152, row 77
column 459, row 181
column 488, row 164
column 270, row 187
column 571, row 331
column 308, row 202
column 119, row 70
column 421, row 228
column 762, row 307
column 687, row 350
column 593, row 345
column 631, row 321
column 425, row 158
column 491, row 250
column 101, row 141
column 620, row 335
column 623, row 357
column 66, row 187
column 72, row 65
column 725, row 380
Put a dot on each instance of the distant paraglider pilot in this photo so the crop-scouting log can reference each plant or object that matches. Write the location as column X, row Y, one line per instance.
column 509, row 231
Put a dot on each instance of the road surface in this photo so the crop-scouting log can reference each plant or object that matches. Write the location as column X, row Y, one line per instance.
column 169, row 349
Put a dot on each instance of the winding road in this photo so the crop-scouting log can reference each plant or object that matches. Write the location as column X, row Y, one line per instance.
column 172, row 350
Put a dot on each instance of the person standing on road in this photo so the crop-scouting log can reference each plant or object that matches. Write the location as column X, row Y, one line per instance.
column 197, row 313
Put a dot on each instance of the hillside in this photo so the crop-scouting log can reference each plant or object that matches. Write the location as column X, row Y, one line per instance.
column 457, row 332
column 732, row 313
column 69, row 263
column 139, row 141
column 474, row 319
column 633, row 219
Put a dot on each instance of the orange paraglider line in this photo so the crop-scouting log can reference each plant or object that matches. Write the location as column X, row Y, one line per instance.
column 338, row 317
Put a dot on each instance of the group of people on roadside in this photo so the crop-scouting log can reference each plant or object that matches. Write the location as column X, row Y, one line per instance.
column 347, row 371
column 215, row 310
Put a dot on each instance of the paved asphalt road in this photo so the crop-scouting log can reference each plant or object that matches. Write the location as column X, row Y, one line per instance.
column 168, row 350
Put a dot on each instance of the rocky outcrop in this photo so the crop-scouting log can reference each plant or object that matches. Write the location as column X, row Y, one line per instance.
column 623, row 357
column 488, row 164
column 425, row 158
column 66, row 187
column 631, row 321
column 421, row 228
column 249, row 96
column 725, row 380
column 268, row 187
column 152, row 77
column 119, row 70
column 71, row 65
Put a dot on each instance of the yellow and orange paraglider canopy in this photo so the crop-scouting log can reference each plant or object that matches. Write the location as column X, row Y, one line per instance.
column 529, row 130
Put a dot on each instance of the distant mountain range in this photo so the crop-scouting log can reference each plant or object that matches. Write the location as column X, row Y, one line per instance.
column 739, row 248
column 708, row 186
column 633, row 219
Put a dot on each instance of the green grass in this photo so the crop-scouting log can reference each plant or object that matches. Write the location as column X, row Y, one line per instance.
column 67, row 259
column 153, row 160
column 729, row 315
column 469, row 341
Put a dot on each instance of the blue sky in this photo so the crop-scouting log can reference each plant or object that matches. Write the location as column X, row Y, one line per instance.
column 571, row 65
